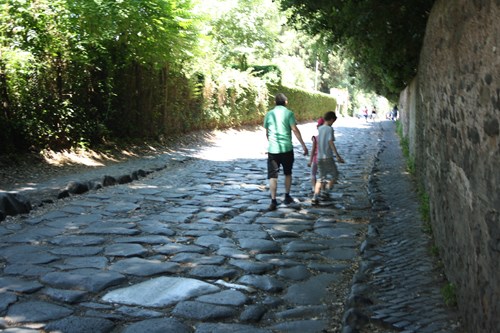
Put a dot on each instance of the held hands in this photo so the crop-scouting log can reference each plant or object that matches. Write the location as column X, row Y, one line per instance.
column 306, row 151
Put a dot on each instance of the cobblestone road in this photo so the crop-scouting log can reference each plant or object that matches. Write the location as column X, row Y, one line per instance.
column 192, row 248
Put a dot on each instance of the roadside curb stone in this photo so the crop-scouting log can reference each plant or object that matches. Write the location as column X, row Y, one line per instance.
column 397, row 278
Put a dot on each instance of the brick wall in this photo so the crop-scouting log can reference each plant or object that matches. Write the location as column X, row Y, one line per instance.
column 451, row 114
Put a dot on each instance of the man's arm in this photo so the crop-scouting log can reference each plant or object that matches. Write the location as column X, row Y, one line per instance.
column 296, row 131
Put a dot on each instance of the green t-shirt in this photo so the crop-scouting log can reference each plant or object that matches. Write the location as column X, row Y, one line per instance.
column 278, row 123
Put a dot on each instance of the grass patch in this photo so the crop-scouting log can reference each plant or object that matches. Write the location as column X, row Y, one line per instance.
column 434, row 250
column 449, row 292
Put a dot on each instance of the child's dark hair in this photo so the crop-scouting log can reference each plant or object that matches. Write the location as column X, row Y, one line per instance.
column 281, row 99
column 330, row 115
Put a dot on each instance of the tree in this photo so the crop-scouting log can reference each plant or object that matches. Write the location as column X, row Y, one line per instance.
column 241, row 32
column 383, row 38
column 61, row 61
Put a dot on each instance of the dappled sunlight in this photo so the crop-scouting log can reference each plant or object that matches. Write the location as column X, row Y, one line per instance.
column 78, row 156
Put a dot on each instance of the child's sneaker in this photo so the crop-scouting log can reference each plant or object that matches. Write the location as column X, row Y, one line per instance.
column 325, row 195
column 315, row 201
column 288, row 199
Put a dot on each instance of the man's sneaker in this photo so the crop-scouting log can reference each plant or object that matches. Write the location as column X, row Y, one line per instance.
column 288, row 200
column 273, row 205
column 315, row 201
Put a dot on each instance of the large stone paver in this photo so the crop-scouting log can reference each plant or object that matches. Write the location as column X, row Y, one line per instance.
column 160, row 292
column 192, row 248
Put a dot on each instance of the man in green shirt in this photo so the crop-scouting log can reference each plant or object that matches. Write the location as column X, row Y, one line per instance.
column 279, row 124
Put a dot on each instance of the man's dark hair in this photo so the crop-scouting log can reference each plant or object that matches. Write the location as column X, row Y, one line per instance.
column 281, row 99
column 330, row 115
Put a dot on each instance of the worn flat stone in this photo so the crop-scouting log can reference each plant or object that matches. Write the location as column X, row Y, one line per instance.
column 300, row 326
column 144, row 267
column 197, row 259
column 81, row 325
column 296, row 273
column 203, row 311
column 213, row 242
column 277, row 234
column 337, row 232
column 277, row 260
column 70, row 240
column 311, row 292
column 212, row 272
column 36, row 311
column 303, row 312
column 233, row 252
column 263, row 282
column 110, row 230
column 58, row 218
column 138, row 312
column 160, row 292
column 19, row 285
column 225, row 297
column 77, row 251
column 125, row 250
column 175, row 218
column 32, row 258
column 174, row 248
column 229, row 328
column 303, row 246
column 152, row 239
column 83, row 262
column 121, row 207
column 160, row 325
column 26, row 270
column 6, row 298
column 251, row 234
column 66, row 296
column 341, row 253
column 255, row 246
column 328, row 268
column 253, row 313
column 251, row 267
column 156, row 228
column 83, row 279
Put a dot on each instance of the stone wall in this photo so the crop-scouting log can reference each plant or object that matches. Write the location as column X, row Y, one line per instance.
column 451, row 114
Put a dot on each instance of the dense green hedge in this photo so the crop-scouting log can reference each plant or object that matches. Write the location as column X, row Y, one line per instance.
column 305, row 104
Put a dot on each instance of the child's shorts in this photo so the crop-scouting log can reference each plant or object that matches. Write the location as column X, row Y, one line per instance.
column 327, row 169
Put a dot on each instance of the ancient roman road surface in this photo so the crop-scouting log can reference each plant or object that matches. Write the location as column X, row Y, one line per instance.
column 192, row 248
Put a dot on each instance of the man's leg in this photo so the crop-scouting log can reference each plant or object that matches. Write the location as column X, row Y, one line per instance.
column 288, row 183
column 273, row 187
column 287, row 170
column 272, row 175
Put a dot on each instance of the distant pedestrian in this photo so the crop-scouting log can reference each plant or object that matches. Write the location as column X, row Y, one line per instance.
column 374, row 113
column 365, row 113
column 394, row 113
column 327, row 167
column 279, row 124
column 313, row 159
